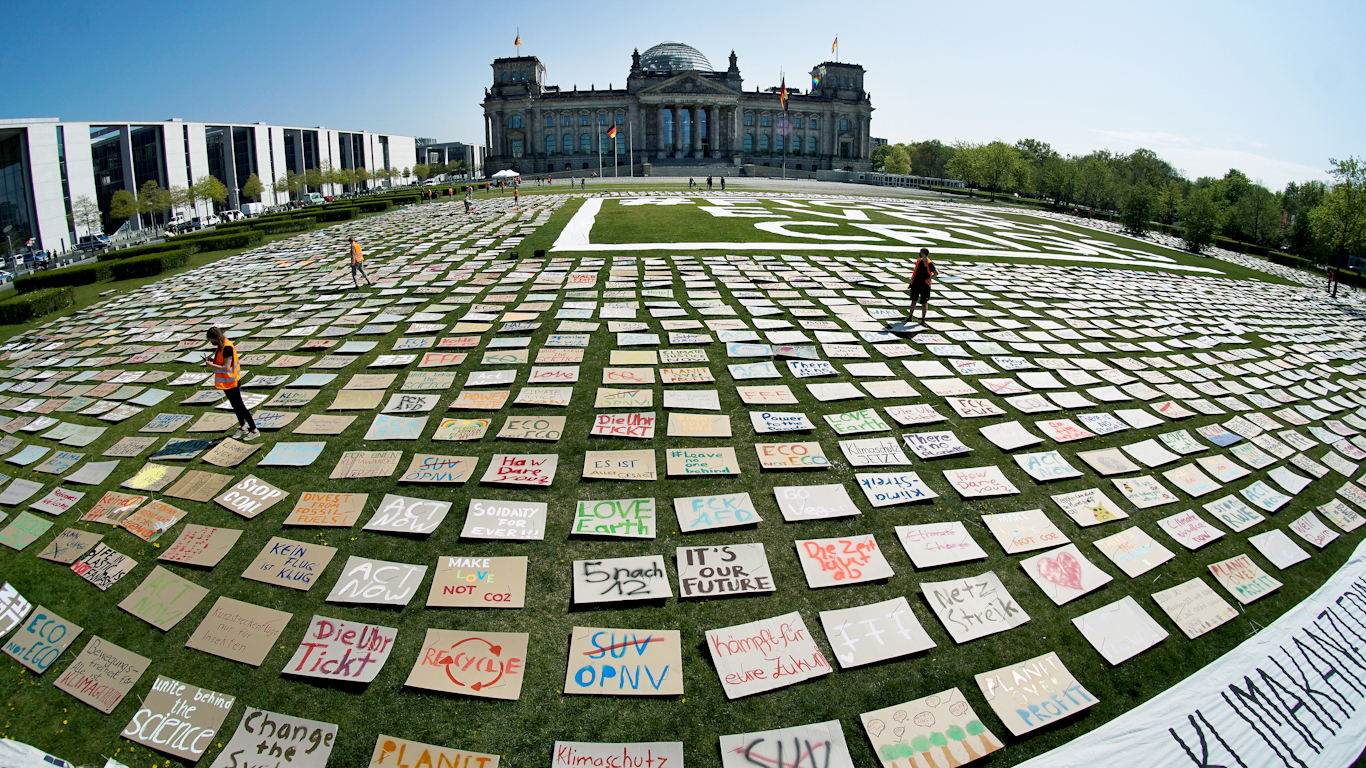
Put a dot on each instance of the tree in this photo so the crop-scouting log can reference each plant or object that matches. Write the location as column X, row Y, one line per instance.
column 921, row 744
column 1258, row 216
column 1095, row 184
column 931, row 158
column 154, row 200
column 1235, row 185
column 363, row 175
column 899, row 161
column 966, row 163
column 1169, row 199
column 123, row 205
column 879, row 157
column 937, row 739
column 1057, row 179
column 253, row 188
column 407, row 173
column 87, row 215
column 1340, row 222
column 459, row 167
column 1138, row 208
column 207, row 188
column 1035, row 152
column 422, row 171
column 1202, row 215
column 181, row 198
column 959, row 735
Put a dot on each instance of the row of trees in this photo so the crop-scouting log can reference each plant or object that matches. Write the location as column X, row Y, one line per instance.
column 156, row 202
column 1323, row 222
column 330, row 178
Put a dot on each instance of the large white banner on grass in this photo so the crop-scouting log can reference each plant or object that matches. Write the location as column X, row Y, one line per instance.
column 1294, row 696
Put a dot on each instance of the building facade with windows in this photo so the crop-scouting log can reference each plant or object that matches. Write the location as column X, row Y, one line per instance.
column 675, row 111
column 47, row 166
column 433, row 152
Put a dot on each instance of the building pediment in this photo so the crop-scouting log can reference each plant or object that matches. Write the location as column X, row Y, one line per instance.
column 688, row 83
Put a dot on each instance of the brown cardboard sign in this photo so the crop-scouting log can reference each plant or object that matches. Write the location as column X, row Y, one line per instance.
column 230, row 453
column 624, row 662
column 478, row 582
column 289, row 563
column 153, row 520
column 250, row 497
column 41, row 640
column 163, row 599
column 359, row 464
column 339, row 510
column 152, row 477
column 434, row 468
column 201, row 545
column 239, row 631
column 376, row 582
column 102, row 674
column 357, row 400
column 348, row 651
column 270, row 733
column 69, row 545
column 103, row 567
column 489, row 665
column 179, row 719
column 198, row 486
column 392, row 752
column 318, row 424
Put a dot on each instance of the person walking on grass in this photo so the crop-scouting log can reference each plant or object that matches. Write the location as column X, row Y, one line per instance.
column 920, row 284
column 467, row 200
column 227, row 374
column 358, row 264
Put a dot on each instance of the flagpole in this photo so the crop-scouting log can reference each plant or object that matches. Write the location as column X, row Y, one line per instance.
column 631, row 146
column 616, row 161
column 599, row 154
column 519, row 42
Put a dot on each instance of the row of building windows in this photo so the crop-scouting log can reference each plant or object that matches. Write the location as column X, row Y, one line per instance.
column 516, row 122
column 513, row 77
column 765, row 144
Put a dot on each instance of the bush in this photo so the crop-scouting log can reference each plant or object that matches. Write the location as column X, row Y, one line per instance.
column 404, row 199
column 374, row 206
column 335, row 214
column 147, row 266
column 70, row 276
column 128, row 253
column 284, row 225
column 27, row 306
column 244, row 239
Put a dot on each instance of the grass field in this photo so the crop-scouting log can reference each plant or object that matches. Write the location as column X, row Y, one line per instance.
column 523, row 731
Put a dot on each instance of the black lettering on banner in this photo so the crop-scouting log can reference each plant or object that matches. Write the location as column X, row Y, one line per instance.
column 1310, row 693
column 1307, row 651
column 1291, row 712
column 1253, row 696
column 1203, row 760
column 1345, row 648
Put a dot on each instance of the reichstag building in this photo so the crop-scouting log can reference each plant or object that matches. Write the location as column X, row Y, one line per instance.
column 676, row 115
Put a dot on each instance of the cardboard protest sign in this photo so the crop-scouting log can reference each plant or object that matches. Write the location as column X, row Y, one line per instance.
column 103, row 567
column 814, row 502
column 1243, row 578
column 239, row 631
column 869, row 633
column 361, row 464
column 292, row 455
column 68, row 545
column 309, row 742
column 884, row 489
column 770, row 394
column 152, row 520
column 102, row 674
column 1194, row 607
column 402, row 514
column 18, row 491
column 980, row 481
column 395, row 752
column 973, row 607
column 163, row 599
column 620, row 518
column 765, row 655
column 698, row 425
column 624, row 662
column 1121, row 630
column 621, row 579
column 318, row 424
column 198, row 486
column 461, row 429
column 1231, row 511
column 14, row 608
column 548, row 428
column 821, row 743
column 843, row 560
column 1045, row 466
column 178, row 719
column 1034, row 693
column 1089, row 507
column 288, row 563
column 488, row 665
column 732, row 569
column 1108, row 461
column 1024, row 531
column 943, row 724
column 701, row 461
column 934, row 544
column 376, row 582
column 522, row 469
column 1312, row 530
column 201, row 545
column 700, row 513
column 250, row 497
column 575, row 754
column 791, row 455
column 327, row 509
column 639, row 425
column 41, row 639
column 1065, row 574
column 1279, row 548
column 768, row 421
column 1134, row 551
column 23, row 530
column 490, row 519
column 620, row 465
column 478, row 582
column 152, row 477
column 1189, row 529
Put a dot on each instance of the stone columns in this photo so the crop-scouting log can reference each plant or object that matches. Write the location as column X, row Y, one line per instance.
column 713, row 135
column 663, row 137
column 678, row 131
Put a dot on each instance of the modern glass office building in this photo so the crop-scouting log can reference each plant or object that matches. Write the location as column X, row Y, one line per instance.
column 49, row 167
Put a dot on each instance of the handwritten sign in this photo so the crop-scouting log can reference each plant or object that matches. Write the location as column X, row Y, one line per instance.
column 973, row 607
column 732, row 569
column 772, row 394
column 814, row 502
column 870, row 633
column 619, row 518
column 1195, row 608
column 522, row 469
column 943, row 722
column 820, row 743
column 700, row 513
column 461, row 429
column 885, row 489
column 621, row 579
column 149, row 522
column 975, row 482
column 68, row 545
column 765, row 655
column 624, row 662
column 103, row 567
column 178, row 719
column 41, row 639
column 1064, row 574
column 102, row 674
column 769, row 421
column 376, row 582
column 250, row 497
column 339, row 510
column 1134, row 551
column 791, row 456
column 934, row 544
column 701, row 461
column 620, row 465
column 288, row 563
column 1243, row 578
column 23, row 530
column 478, row 582
column 490, row 519
column 841, row 561
column 304, row 743
column 478, row 400
column 1089, row 507
column 933, row 445
column 201, row 545
column 391, row 751
column 1024, row 531
column 490, row 665
column 1035, row 693
column 163, row 599
column 576, row 754
column 873, row 452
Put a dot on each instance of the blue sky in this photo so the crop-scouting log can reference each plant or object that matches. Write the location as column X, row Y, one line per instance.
column 1271, row 89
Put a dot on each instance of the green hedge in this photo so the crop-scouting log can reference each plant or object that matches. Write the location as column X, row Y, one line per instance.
column 128, row 253
column 1287, row 260
column 147, row 266
column 283, row 226
column 374, row 206
column 68, row 276
column 231, row 240
column 26, row 307
column 334, row 214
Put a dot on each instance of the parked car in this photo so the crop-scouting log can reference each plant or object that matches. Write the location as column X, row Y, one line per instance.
column 252, row 210
column 6, row 277
column 231, row 215
column 90, row 243
column 312, row 198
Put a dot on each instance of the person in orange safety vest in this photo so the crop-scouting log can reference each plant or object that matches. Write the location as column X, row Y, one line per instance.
column 227, row 375
column 358, row 264
column 920, row 284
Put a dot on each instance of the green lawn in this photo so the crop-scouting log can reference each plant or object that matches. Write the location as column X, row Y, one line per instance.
column 523, row 731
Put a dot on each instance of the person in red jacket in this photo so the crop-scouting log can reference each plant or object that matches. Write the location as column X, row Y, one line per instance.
column 920, row 284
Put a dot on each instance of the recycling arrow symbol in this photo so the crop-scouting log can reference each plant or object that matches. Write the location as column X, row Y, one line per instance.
column 464, row 662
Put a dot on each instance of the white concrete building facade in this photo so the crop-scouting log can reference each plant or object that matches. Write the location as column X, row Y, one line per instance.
column 46, row 165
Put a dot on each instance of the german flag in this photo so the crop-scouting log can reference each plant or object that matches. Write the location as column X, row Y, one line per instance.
column 782, row 93
column 518, row 41
column 612, row 134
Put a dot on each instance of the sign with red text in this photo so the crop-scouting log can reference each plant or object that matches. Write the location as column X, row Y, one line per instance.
column 526, row 469
column 765, row 655
column 842, row 561
column 102, row 674
column 624, row 662
column 478, row 582
column 934, row 544
column 489, row 665
column 347, row 651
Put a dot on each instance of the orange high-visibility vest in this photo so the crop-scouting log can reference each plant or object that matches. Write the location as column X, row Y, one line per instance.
column 928, row 266
column 229, row 378
column 356, row 258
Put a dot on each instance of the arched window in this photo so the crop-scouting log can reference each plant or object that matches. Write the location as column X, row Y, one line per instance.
column 550, row 121
column 845, row 124
column 505, row 77
column 749, row 118
column 763, row 121
column 763, row 143
column 524, row 76
column 550, row 145
column 586, row 143
column 749, row 142
column 515, row 122
column 568, row 144
column 810, row 145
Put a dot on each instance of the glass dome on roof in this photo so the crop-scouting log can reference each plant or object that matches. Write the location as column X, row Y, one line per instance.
column 673, row 57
